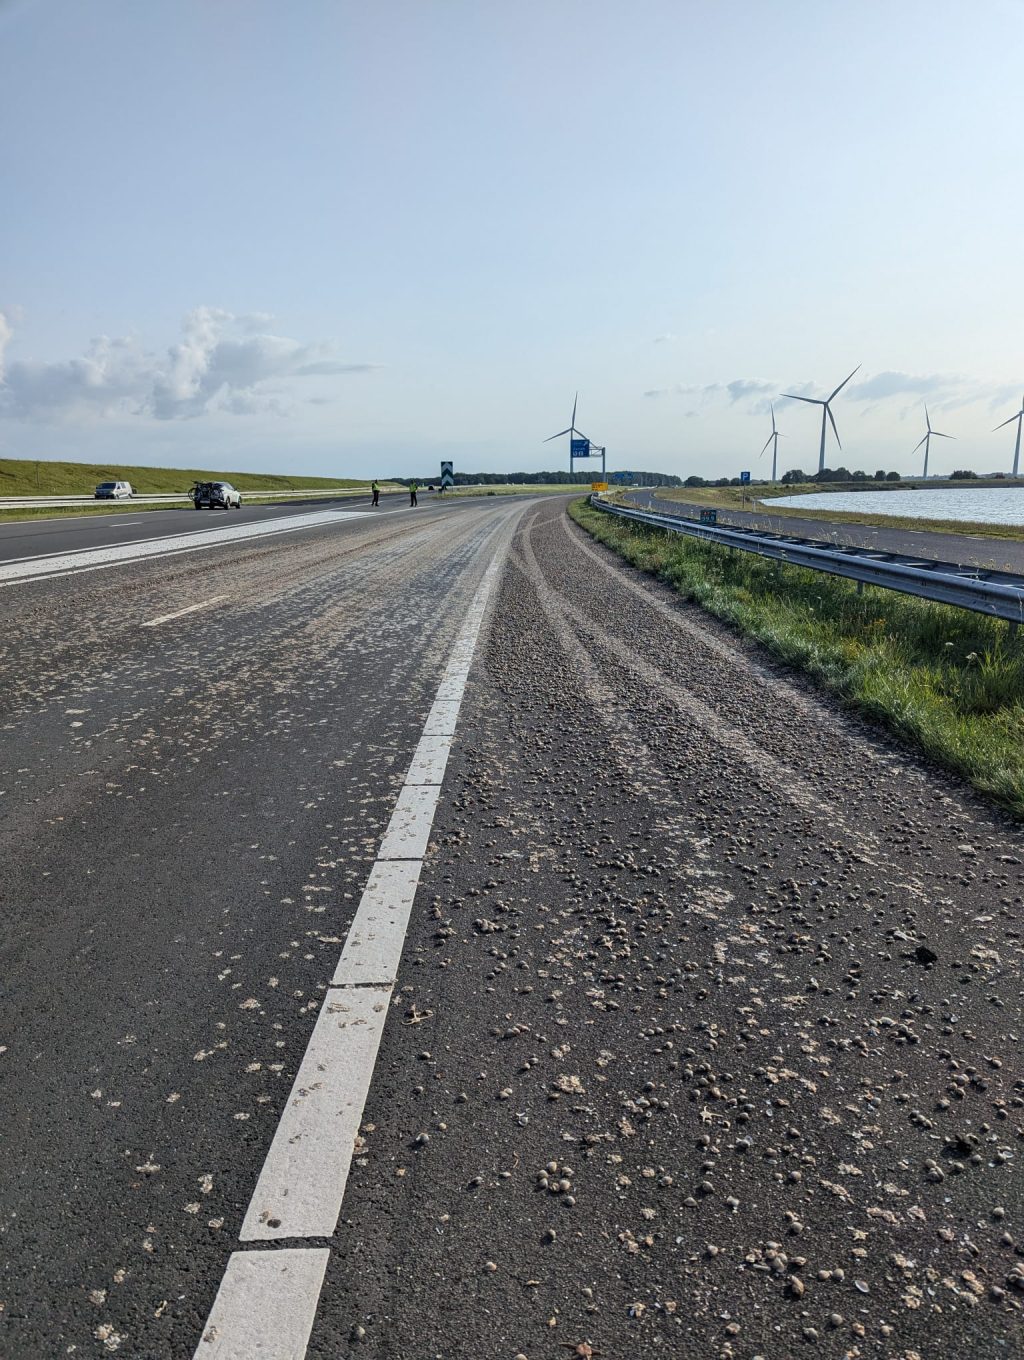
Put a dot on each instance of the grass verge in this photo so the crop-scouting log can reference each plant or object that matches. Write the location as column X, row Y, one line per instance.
column 947, row 681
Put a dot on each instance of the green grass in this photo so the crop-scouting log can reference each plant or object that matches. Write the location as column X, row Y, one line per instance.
column 26, row 477
column 526, row 489
column 947, row 681
column 760, row 498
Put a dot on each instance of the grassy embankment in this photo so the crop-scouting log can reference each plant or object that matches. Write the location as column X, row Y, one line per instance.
column 516, row 489
column 25, row 477
column 759, row 498
column 947, row 681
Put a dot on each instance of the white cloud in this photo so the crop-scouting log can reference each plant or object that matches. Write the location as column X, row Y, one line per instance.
column 942, row 391
column 218, row 365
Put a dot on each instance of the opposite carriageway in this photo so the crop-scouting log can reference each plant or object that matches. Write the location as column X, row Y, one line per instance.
column 999, row 594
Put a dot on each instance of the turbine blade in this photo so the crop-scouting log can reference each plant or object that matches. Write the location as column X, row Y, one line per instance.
column 814, row 401
column 828, row 412
column 927, row 420
column 842, row 385
column 766, row 443
column 555, row 436
column 574, row 401
column 1007, row 422
column 939, row 435
column 773, row 416
column 919, row 443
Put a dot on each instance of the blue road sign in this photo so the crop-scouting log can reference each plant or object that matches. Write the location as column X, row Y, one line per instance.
column 579, row 448
column 744, row 477
column 621, row 476
column 709, row 517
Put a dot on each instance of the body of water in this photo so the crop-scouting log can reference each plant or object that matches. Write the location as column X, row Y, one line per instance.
column 983, row 505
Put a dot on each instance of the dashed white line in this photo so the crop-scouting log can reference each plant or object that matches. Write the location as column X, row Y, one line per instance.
column 300, row 1189
column 179, row 613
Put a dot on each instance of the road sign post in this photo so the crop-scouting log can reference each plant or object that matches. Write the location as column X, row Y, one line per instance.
column 447, row 476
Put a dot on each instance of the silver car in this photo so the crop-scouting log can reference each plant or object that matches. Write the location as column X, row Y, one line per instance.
column 216, row 495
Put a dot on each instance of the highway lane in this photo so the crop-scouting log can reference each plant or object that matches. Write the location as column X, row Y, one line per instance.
column 704, row 1037
column 187, row 817
column 30, row 538
column 1002, row 554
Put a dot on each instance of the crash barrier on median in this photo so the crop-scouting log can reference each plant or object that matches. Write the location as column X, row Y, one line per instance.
column 999, row 594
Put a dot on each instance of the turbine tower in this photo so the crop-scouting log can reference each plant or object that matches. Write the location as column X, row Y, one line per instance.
column 1016, row 448
column 772, row 439
column 826, row 414
column 928, row 438
column 571, row 431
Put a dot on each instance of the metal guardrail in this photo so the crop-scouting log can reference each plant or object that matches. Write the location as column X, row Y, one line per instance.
column 999, row 594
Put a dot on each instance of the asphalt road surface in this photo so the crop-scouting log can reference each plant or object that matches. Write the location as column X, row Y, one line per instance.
column 705, row 1035
column 1003, row 554
column 74, row 533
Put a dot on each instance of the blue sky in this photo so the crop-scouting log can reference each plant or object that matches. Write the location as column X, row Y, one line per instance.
column 354, row 239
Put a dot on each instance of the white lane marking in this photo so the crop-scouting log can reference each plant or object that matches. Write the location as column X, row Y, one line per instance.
column 373, row 946
column 122, row 524
column 300, row 1188
column 189, row 609
column 443, row 717
column 429, row 762
column 265, row 1306
column 302, row 1183
column 89, row 559
column 409, row 829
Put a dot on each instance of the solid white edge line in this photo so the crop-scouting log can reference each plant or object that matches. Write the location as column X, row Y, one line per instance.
column 408, row 832
column 300, row 1188
column 178, row 613
column 373, row 945
column 430, row 760
column 265, row 1306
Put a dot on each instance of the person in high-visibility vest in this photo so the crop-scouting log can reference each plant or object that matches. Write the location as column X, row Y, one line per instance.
column 375, row 488
column 413, row 488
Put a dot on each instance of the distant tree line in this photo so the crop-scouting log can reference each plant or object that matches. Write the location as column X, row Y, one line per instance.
column 541, row 478
column 797, row 476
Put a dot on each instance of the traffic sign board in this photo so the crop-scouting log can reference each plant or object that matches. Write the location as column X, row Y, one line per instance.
column 447, row 475
column 579, row 448
column 744, row 477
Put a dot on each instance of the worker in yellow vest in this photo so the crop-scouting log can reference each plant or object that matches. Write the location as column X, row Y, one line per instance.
column 375, row 488
column 413, row 488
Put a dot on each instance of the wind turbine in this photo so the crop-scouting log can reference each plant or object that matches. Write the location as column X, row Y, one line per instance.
column 826, row 413
column 927, row 439
column 1016, row 449
column 773, row 439
column 572, row 431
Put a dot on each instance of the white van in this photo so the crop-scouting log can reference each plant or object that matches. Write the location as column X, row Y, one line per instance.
column 113, row 491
